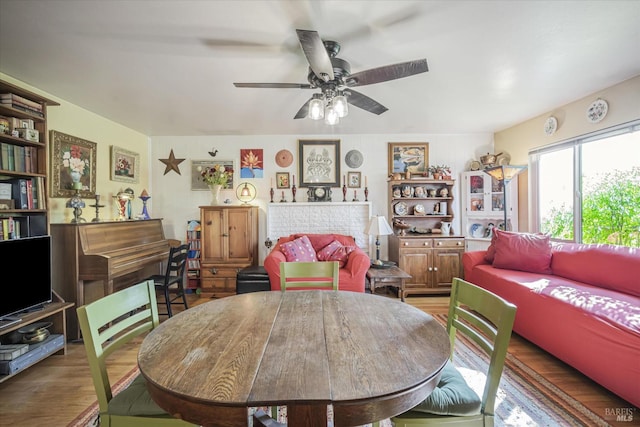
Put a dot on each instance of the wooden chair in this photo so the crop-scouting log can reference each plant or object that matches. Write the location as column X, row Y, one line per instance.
column 107, row 324
column 314, row 275
column 487, row 320
column 172, row 281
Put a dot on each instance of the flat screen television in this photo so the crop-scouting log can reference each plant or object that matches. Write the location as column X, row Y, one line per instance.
column 28, row 261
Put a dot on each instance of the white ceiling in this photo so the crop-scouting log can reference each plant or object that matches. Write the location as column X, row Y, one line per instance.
column 168, row 67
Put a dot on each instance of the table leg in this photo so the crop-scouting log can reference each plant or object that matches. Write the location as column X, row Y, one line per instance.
column 401, row 290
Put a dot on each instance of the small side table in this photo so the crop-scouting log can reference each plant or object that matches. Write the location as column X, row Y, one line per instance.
column 392, row 276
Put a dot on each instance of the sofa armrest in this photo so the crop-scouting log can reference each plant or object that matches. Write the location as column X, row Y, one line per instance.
column 358, row 264
column 471, row 259
column 272, row 266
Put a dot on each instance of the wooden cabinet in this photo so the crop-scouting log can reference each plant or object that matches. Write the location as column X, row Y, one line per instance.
column 418, row 209
column 23, row 163
column 432, row 262
column 229, row 242
column 483, row 208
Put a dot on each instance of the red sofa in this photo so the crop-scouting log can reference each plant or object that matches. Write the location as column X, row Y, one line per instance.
column 352, row 275
column 586, row 311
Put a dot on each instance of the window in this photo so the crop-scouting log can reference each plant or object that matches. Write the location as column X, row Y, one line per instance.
column 587, row 190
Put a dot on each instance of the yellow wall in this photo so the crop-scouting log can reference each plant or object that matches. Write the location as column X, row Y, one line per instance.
column 624, row 106
column 73, row 120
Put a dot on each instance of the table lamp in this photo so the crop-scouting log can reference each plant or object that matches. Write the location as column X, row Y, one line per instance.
column 504, row 174
column 378, row 226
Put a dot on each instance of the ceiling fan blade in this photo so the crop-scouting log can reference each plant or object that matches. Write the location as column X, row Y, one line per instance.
column 304, row 110
column 276, row 85
column 388, row 72
column 316, row 54
column 363, row 101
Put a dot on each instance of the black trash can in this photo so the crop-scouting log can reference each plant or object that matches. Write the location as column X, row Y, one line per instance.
column 252, row 279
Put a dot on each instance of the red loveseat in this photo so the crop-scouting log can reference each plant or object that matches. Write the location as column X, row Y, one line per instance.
column 585, row 310
column 352, row 274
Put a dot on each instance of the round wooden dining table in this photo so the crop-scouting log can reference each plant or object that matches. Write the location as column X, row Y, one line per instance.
column 369, row 356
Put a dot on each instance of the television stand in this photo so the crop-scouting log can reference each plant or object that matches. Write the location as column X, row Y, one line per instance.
column 54, row 312
column 7, row 321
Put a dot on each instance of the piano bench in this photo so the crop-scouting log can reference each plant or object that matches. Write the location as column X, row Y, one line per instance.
column 252, row 279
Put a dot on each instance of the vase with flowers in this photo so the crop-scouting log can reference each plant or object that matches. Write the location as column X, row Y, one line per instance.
column 216, row 177
column 74, row 160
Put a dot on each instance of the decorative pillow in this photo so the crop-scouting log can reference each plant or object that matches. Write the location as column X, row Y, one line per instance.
column 299, row 249
column 318, row 241
column 491, row 250
column 324, row 253
column 341, row 255
column 452, row 396
column 522, row 251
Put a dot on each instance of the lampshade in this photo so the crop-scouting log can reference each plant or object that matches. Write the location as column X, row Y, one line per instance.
column 331, row 115
column 246, row 192
column 378, row 226
column 340, row 105
column 316, row 107
column 504, row 172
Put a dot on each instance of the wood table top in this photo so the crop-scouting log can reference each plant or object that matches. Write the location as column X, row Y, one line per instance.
column 392, row 272
column 369, row 356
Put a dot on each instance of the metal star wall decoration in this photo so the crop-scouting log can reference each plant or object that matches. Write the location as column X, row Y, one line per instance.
column 172, row 163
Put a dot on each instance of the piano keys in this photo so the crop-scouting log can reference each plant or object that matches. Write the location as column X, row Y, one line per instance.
column 91, row 260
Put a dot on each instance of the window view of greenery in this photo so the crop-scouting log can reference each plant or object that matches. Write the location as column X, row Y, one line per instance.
column 608, row 200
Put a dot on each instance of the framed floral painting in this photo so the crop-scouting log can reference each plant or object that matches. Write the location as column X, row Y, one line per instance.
column 200, row 167
column 73, row 165
column 125, row 165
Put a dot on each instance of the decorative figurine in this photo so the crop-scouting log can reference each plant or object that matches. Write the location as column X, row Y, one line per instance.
column 122, row 198
column 144, row 196
column 293, row 191
column 366, row 194
column 272, row 193
column 283, row 200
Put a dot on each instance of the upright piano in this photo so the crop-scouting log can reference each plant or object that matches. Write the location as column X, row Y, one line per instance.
column 91, row 260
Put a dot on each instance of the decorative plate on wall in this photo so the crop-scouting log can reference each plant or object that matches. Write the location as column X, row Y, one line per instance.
column 284, row 158
column 597, row 110
column 550, row 125
column 354, row 159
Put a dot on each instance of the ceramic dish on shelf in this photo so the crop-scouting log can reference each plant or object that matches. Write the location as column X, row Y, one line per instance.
column 418, row 210
column 385, row 264
column 477, row 230
column 400, row 208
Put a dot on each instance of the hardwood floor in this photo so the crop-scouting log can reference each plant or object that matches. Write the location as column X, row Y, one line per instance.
column 56, row 390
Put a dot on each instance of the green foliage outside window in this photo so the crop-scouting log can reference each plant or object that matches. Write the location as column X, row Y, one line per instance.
column 610, row 211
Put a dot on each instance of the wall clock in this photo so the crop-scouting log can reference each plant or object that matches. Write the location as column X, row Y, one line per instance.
column 550, row 125
column 319, row 194
column 597, row 110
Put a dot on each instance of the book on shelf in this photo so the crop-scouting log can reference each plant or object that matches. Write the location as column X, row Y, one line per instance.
column 18, row 158
column 23, row 109
column 12, row 97
column 19, row 192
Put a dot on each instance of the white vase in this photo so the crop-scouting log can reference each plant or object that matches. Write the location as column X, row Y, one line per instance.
column 75, row 178
column 215, row 194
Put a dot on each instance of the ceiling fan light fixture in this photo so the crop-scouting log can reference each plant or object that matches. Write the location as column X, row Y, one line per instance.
column 316, row 108
column 331, row 115
column 340, row 105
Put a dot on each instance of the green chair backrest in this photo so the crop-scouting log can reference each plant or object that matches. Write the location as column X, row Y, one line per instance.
column 486, row 319
column 316, row 275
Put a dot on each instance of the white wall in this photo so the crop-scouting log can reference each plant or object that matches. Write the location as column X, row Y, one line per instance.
column 173, row 200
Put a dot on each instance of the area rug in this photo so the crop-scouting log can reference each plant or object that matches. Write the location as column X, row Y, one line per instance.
column 524, row 398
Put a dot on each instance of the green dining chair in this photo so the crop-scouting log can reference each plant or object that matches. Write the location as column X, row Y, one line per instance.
column 487, row 320
column 315, row 275
column 107, row 324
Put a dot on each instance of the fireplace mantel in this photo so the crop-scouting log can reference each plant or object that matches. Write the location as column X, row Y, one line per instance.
column 348, row 218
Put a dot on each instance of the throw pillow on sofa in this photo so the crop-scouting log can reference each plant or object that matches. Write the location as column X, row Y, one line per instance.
column 522, row 251
column 299, row 249
column 335, row 251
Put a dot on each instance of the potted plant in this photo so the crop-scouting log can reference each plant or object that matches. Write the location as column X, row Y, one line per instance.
column 439, row 171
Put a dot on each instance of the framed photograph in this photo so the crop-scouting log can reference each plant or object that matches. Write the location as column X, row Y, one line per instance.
column 282, row 180
column 197, row 166
column 408, row 156
column 73, row 160
column 353, row 179
column 125, row 165
column 319, row 162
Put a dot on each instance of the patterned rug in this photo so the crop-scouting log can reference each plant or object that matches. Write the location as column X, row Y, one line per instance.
column 524, row 398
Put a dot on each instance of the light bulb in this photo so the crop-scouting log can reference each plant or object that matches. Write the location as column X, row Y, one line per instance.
column 340, row 105
column 316, row 109
column 331, row 116
column 245, row 191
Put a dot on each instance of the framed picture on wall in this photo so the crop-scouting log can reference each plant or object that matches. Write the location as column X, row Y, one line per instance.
column 319, row 162
column 408, row 156
column 73, row 165
column 125, row 165
column 282, row 180
column 199, row 166
column 353, row 179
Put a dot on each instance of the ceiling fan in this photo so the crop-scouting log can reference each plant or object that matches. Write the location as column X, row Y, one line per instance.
column 333, row 77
